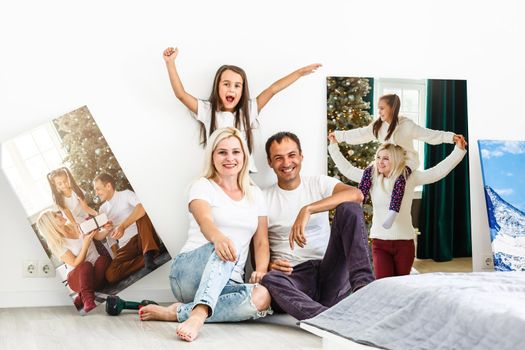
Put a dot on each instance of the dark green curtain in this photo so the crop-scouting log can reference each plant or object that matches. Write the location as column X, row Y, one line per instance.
column 445, row 206
column 370, row 97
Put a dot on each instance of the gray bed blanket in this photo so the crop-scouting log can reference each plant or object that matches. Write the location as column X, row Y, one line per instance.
column 484, row 310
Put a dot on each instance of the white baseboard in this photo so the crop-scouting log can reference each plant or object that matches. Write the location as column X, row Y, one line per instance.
column 12, row 299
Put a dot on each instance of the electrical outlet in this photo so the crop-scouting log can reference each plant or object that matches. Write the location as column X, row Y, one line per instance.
column 46, row 269
column 30, row 268
column 487, row 263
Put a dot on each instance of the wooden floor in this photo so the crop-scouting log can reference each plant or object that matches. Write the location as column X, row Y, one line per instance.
column 57, row 328
column 455, row 265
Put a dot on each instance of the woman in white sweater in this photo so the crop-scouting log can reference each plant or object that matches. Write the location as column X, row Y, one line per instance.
column 393, row 249
column 392, row 128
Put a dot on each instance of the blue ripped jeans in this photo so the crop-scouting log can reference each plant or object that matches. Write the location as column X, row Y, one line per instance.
column 201, row 277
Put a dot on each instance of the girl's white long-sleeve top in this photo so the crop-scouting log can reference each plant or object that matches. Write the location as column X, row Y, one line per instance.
column 404, row 135
column 380, row 193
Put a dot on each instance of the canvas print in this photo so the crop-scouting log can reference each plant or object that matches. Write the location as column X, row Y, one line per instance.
column 82, row 208
column 430, row 115
column 502, row 164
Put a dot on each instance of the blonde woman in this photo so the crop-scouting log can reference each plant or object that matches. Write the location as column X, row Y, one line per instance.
column 86, row 267
column 226, row 211
column 393, row 249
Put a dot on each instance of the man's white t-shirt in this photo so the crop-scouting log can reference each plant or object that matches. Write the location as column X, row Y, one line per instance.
column 225, row 119
column 238, row 220
column 118, row 208
column 283, row 207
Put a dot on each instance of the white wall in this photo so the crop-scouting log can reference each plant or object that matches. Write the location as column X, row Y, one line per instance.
column 60, row 55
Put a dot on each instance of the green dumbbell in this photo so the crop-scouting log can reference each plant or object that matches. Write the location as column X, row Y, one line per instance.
column 115, row 305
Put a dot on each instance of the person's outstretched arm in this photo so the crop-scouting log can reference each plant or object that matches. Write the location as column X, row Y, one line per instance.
column 261, row 248
column 444, row 167
column 355, row 136
column 283, row 83
column 169, row 55
column 224, row 247
column 343, row 165
column 87, row 208
column 432, row 137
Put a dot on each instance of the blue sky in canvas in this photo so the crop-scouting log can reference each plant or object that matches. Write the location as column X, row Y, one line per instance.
column 504, row 169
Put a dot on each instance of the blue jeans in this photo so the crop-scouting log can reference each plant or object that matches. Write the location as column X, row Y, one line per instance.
column 200, row 277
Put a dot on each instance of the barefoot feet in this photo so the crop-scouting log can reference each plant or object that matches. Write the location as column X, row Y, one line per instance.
column 189, row 329
column 159, row 313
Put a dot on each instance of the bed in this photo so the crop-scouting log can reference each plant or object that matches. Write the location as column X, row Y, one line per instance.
column 483, row 310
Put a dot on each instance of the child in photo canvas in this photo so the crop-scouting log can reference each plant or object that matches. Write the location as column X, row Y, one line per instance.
column 70, row 199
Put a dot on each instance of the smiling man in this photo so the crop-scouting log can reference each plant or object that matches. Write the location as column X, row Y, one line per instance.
column 138, row 242
column 313, row 266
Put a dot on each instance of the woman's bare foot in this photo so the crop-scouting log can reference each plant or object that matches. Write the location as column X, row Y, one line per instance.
column 189, row 329
column 159, row 313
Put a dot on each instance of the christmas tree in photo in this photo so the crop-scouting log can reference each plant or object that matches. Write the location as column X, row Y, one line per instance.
column 349, row 106
column 88, row 153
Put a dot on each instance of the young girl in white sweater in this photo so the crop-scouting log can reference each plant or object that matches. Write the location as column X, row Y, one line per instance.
column 392, row 128
column 393, row 249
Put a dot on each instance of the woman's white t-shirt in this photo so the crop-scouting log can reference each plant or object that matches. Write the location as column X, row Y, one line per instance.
column 74, row 245
column 238, row 220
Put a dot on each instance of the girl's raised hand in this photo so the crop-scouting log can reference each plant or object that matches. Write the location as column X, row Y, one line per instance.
column 170, row 54
column 309, row 69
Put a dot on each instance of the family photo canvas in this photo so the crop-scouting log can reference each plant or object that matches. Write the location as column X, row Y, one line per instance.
column 82, row 207
column 430, row 115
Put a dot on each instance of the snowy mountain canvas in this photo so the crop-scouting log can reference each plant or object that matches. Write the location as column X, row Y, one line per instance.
column 502, row 164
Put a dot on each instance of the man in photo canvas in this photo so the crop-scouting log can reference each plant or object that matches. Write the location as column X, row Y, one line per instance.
column 137, row 240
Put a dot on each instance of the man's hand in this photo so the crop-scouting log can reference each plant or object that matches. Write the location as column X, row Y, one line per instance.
column 118, row 232
column 297, row 231
column 282, row 265
column 256, row 277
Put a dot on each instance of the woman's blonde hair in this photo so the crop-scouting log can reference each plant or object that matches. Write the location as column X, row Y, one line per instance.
column 210, row 172
column 397, row 155
column 47, row 226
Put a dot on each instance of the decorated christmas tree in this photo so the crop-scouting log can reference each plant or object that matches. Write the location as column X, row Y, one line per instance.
column 349, row 103
column 88, row 153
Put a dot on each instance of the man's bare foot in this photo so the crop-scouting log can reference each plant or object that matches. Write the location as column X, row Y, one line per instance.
column 189, row 329
column 159, row 313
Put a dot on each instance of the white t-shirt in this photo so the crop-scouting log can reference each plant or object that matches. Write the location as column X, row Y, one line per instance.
column 226, row 119
column 118, row 208
column 75, row 245
column 283, row 207
column 73, row 204
column 238, row 220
